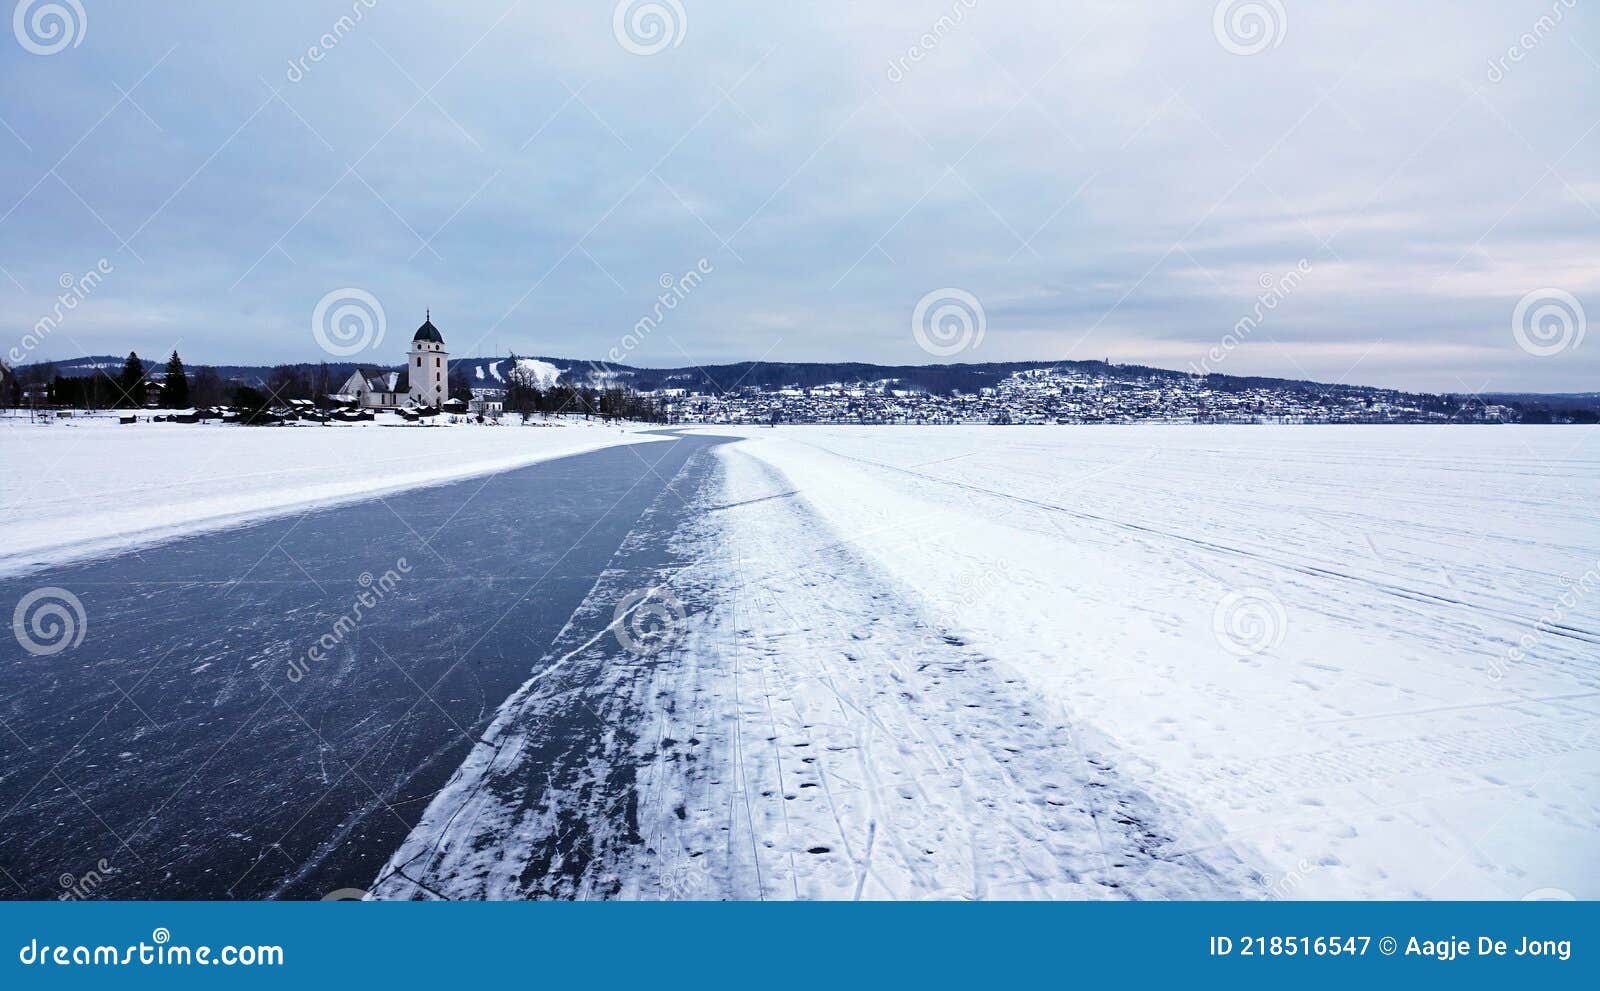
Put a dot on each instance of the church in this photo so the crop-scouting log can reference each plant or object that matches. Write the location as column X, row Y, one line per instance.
column 425, row 382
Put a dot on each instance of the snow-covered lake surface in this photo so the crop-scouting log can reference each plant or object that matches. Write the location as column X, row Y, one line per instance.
column 1360, row 662
column 896, row 662
column 89, row 485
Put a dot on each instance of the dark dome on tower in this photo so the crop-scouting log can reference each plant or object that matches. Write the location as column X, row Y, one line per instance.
column 428, row 332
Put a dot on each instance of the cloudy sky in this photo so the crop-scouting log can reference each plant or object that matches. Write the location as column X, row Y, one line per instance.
column 1105, row 180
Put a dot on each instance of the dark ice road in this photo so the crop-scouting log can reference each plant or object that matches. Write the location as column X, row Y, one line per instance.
column 172, row 755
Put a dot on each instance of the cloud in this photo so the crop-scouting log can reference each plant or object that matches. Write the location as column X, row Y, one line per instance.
column 1107, row 178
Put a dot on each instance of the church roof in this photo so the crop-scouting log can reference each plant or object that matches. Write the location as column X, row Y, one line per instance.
column 378, row 380
column 428, row 332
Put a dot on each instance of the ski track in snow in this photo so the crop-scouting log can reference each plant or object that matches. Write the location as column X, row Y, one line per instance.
column 854, row 748
column 1384, row 740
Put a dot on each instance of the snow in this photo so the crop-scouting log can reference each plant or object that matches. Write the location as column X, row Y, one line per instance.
column 800, row 739
column 980, row 662
column 1108, row 662
column 89, row 486
column 543, row 374
column 869, row 752
column 1262, row 661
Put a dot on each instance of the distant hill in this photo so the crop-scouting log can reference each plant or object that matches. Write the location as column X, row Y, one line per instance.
column 939, row 380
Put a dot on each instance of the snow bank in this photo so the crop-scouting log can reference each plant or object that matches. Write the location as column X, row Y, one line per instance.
column 89, row 486
column 1367, row 654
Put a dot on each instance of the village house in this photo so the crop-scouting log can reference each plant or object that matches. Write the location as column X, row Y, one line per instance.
column 487, row 402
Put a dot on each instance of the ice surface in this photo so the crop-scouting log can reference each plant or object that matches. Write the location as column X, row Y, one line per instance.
column 89, row 485
column 977, row 662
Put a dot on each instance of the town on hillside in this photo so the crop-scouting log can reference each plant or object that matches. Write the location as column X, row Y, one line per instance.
column 428, row 387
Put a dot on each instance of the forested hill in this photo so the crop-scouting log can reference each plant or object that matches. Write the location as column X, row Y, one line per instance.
column 941, row 379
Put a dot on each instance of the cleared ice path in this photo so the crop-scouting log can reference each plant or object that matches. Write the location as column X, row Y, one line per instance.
column 171, row 754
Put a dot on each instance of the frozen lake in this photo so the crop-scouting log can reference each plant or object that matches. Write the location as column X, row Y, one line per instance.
column 1364, row 661
column 897, row 662
column 264, row 711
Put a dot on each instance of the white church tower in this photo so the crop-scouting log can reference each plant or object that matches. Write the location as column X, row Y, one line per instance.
column 429, row 366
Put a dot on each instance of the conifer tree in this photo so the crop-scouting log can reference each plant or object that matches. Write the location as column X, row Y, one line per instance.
column 130, row 384
column 175, row 390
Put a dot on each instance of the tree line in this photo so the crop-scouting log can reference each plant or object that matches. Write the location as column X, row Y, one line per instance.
column 178, row 387
column 134, row 386
column 130, row 388
column 526, row 396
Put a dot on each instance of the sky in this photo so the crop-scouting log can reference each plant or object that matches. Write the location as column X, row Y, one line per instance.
column 1378, row 193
